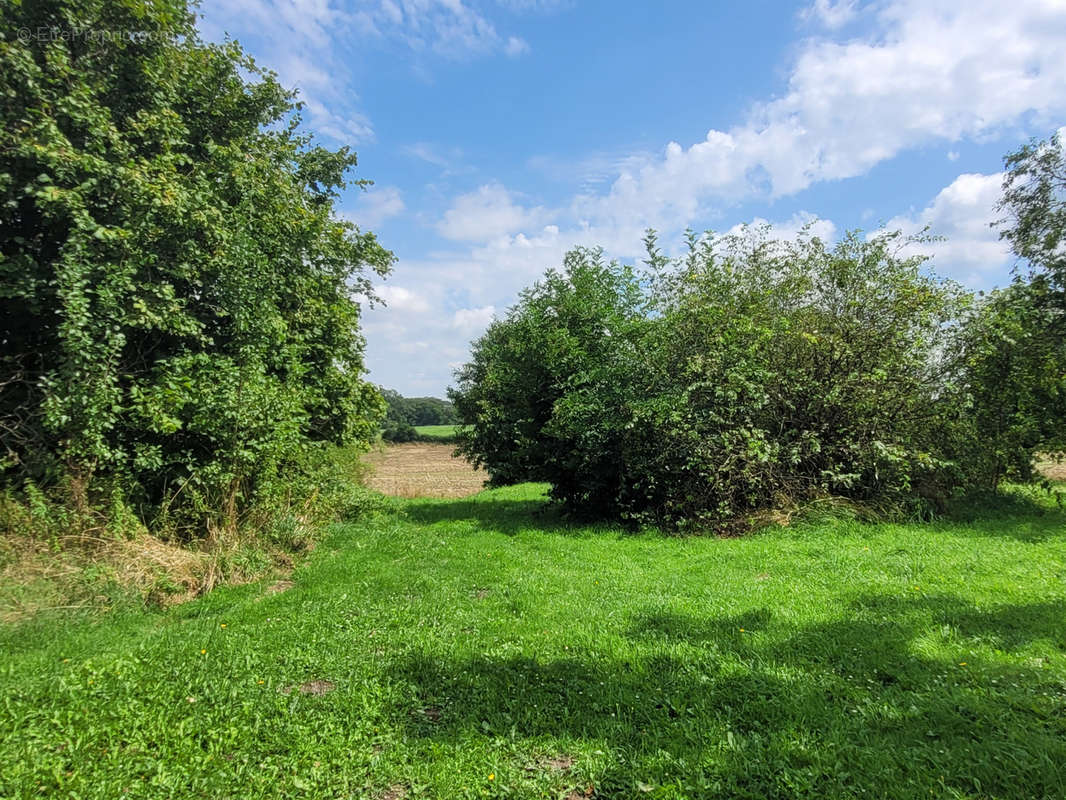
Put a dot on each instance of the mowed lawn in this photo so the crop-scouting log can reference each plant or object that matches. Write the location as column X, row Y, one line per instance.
column 485, row 647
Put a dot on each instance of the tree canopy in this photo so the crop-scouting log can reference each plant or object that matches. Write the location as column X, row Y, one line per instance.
column 177, row 303
column 708, row 386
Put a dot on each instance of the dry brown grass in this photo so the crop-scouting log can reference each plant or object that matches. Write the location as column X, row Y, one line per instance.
column 420, row 469
column 83, row 571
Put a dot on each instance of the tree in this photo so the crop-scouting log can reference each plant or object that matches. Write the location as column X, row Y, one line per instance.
column 1012, row 350
column 747, row 373
column 176, row 293
column 1013, row 373
column 1034, row 198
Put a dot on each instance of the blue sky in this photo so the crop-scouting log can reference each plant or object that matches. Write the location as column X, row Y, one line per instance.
column 500, row 134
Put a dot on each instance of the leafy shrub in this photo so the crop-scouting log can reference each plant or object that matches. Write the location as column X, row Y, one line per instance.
column 1013, row 369
column 399, row 432
column 748, row 372
column 176, row 303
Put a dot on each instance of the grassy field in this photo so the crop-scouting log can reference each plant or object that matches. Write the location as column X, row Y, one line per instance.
column 484, row 647
column 437, row 431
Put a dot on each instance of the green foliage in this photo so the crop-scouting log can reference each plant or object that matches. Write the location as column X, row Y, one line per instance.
column 746, row 374
column 176, row 294
column 399, row 432
column 417, row 411
column 463, row 639
column 1014, row 372
column 1013, row 349
column 1034, row 198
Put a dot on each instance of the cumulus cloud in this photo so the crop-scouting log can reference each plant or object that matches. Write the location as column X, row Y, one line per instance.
column 832, row 14
column 473, row 320
column 908, row 74
column 962, row 212
column 932, row 70
column 375, row 206
column 487, row 213
column 397, row 298
column 790, row 228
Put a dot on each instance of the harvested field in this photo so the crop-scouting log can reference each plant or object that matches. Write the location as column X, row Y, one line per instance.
column 1053, row 468
column 422, row 470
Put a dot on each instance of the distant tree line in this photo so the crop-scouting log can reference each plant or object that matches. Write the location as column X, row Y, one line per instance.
column 751, row 373
column 404, row 414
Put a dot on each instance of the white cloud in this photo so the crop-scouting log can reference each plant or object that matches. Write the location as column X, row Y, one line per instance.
column 790, row 228
column 972, row 252
column 375, row 206
column 428, row 152
column 473, row 320
column 934, row 70
column 515, row 46
column 926, row 73
column 832, row 14
column 400, row 299
column 349, row 126
column 309, row 43
column 487, row 213
column 449, row 28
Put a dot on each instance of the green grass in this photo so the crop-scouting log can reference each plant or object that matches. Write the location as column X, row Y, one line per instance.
column 437, row 431
column 472, row 641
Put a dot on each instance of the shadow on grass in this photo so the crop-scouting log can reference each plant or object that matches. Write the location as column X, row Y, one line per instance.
column 1027, row 514
column 847, row 707
column 494, row 514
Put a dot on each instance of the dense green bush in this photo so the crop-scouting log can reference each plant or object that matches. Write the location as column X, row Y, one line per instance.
column 1012, row 350
column 1012, row 366
column 398, row 432
column 176, row 294
column 749, row 372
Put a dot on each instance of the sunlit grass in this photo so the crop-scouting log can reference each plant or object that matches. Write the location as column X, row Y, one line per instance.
column 438, row 431
column 458, row 648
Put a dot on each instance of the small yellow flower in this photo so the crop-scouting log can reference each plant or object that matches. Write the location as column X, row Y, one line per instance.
column 223, row 625
column 260, row 682
column 741, row 630
column 492, row 776
column 962, row 663
column 203, row 652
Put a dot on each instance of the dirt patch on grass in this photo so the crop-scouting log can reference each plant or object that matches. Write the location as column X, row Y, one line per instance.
column 581, row 794
column 422, row 470
column 559, row 763
column 279, row 586
column 1052, row 468
column 316, row 688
